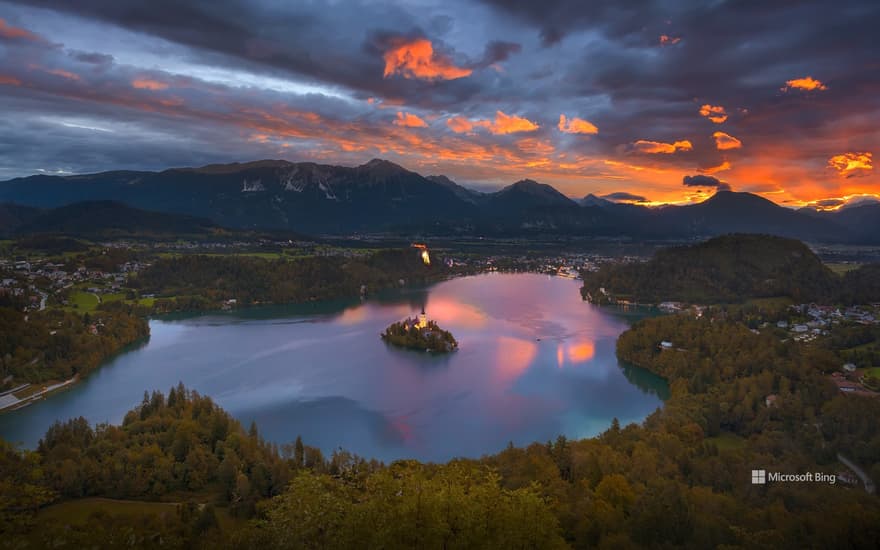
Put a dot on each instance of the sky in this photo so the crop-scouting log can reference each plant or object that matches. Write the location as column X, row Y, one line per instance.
column 645, row 101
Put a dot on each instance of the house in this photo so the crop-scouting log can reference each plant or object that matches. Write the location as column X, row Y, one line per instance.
column 770, row 400
column 782, row 324
column 666, row 345
column 849, row 367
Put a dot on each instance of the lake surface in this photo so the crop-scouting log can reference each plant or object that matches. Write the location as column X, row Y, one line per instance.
column 534, row 362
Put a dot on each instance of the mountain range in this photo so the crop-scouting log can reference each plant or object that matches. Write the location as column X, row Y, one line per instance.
column 381, row 196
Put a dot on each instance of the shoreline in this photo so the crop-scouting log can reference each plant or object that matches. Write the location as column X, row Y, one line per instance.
column 12, row 403
column 18, row 404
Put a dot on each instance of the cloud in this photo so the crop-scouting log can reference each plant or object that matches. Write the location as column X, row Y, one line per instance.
column 416, row 58
column 6, row 80
column 9, row 32
column 460, row 124
column 723, row 141
column 496, row 52
column 807, row 83
column 705, row 181
column 148, row 84
column 409, row 120
column 576, row 125
column 623, row 196
column 511, row 124
column 64, row 74
column 852, row 164
column 659, row 147
column 725, row 165
column 666, row 40
column 827, row 204
column 715, row 113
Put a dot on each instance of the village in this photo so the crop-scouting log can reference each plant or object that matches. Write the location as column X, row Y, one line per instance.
column 807, row 323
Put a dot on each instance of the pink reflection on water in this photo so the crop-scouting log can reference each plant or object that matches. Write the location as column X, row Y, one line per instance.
column 449, row 311
column 512, row 357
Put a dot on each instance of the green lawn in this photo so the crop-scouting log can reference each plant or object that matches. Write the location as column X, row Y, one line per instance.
column 114, row 297
column 83, row 301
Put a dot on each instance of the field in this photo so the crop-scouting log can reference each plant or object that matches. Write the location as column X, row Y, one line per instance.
column 83, row 301
column 842, row 268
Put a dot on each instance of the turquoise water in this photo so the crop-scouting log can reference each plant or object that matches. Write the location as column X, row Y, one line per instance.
column 534, row 362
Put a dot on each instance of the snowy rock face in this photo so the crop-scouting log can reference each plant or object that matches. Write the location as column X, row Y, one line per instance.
column 252, row 186
column 300, row 179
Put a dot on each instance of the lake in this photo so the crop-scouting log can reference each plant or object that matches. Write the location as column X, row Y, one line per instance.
column 534, row 362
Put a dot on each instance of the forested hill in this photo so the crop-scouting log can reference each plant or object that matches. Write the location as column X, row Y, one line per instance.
column 724, row 269
column 102, row 218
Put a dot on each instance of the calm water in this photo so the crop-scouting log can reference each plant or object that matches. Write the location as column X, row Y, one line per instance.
column 535, row 362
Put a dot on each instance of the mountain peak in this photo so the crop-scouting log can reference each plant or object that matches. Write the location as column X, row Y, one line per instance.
column 538, row 193
column 232, row 167
column 593, row 200
column 738, row 197
column 382, row 164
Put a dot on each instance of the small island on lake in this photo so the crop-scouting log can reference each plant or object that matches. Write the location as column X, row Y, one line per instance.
column 420, row 334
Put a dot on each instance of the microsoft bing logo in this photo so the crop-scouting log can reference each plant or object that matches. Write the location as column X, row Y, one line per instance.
column 759, row 477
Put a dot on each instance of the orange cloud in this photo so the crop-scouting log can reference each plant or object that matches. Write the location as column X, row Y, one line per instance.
column 535, row 146
column 9, row 80
column 807, row 83
column 576, row 126
column 715, row 169
column 726, row 141
column 417, row 59
column 666, row 40
column 148, row 84
column 409, row 120
column 655, row 147
column 715, row 113
column 64, row 74
column 459, row 124
column 852, row 164
column 11, row 33
column 509, row 124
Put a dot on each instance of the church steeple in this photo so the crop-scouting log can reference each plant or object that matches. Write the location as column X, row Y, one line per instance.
column 423, row 319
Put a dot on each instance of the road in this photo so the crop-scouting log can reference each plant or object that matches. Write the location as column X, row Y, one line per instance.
column 866, row 481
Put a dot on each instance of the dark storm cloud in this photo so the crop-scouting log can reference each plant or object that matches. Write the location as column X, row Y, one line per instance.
column 624, row 196
column 498, row 51
column 92, row 57
column 556, row 18
column 705, row 181
column 602, row 62
column 341, row 47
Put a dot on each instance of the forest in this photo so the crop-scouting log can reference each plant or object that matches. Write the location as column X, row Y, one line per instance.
column 731, row 269
column 54, row 344
column 678, row 480
column 201, row 282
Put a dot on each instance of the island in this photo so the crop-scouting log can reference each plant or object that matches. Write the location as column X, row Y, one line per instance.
column 421, row 334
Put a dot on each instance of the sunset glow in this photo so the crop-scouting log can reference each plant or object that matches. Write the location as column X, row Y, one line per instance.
column 417, row 59
column 807, row 83
column 715, row 113
column 468, row 91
